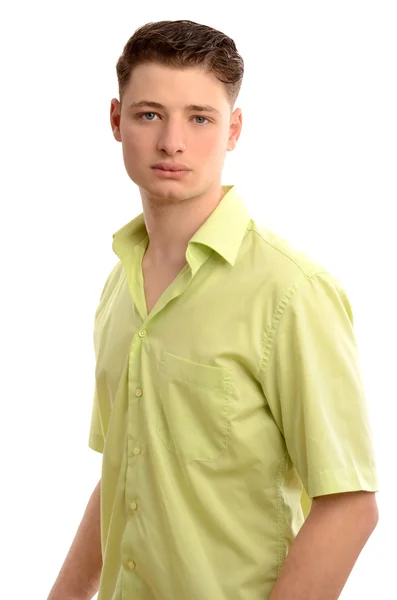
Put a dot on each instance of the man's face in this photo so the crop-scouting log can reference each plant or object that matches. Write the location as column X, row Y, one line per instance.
column 178, row 132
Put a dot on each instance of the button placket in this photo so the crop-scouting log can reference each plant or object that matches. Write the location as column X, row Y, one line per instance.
column 134, row 451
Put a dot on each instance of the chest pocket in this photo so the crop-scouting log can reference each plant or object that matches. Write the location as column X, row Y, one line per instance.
column 193, row 417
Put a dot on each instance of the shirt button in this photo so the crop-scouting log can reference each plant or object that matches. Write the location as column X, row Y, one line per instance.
column 138, row 392
column 142, row 333
column 133, row 505
column 136, row 450
column 131, row 565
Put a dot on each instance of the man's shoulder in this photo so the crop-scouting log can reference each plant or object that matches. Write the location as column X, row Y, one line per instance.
column 112, row 281
column 279, row 256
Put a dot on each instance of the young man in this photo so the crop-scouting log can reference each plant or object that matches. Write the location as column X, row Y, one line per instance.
column 227, row 374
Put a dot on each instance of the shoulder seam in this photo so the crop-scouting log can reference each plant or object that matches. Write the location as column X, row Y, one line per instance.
column 278, row 249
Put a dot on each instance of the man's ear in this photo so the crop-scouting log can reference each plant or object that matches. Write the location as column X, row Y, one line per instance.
column 236, row 124
column 115, row 111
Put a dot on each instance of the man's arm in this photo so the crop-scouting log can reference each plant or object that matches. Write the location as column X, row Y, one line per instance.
column 327, row 546
column 81, row 571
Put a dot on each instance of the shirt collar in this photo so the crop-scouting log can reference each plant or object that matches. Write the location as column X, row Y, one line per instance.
column 222, row 232
column 129, row 236
column 225, row 228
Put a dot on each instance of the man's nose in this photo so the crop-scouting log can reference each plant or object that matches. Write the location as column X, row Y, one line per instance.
column 172, row 139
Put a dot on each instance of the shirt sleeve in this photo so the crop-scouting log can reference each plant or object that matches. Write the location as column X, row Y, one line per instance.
column 96, row 439
column 311, row 378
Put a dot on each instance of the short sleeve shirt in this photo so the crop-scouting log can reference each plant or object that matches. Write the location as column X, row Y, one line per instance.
column 215, row 412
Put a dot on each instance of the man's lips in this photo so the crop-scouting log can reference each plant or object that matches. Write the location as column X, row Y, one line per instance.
column 170, row 167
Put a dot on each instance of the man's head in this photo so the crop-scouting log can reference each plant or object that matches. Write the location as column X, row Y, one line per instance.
column 178, row 83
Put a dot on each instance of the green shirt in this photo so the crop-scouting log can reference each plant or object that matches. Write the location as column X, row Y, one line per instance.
column 213, row 412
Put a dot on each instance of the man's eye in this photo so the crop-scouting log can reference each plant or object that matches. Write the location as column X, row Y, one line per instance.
column 150, row 116
column 200, row 117
column 145, row 114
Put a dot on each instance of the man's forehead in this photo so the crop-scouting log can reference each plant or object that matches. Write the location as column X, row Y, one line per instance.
column 163, row 87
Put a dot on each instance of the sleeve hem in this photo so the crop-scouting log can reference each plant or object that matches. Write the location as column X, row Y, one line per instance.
column 342, row 480
column 96, row 442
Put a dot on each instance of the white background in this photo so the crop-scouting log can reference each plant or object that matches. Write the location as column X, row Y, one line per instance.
column 316, row 163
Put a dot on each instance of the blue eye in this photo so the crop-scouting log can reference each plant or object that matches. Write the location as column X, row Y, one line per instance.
column 201, row 123
column 152, row 115
column 148, row 113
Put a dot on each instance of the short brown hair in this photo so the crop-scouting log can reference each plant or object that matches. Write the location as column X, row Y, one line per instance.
column 183, row 44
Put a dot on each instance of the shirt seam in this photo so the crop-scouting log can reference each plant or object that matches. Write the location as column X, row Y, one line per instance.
column 258, row 233
column 270, row 332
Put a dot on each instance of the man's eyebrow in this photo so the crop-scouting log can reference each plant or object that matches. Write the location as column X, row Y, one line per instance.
column 195, row 107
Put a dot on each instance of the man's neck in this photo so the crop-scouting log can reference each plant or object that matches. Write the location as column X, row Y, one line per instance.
column 171, row 226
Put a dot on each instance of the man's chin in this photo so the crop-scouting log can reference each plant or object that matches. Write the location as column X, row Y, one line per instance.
column 165, row 191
